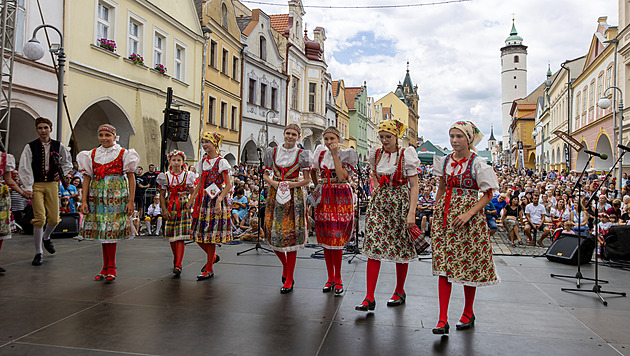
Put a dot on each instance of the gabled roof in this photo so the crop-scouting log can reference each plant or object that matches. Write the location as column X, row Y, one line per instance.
column 407, row 82
column 243, row 21
column 199, row 7
column 492, row 134
column 279, row 22
column 351, row 94
column 335, row 87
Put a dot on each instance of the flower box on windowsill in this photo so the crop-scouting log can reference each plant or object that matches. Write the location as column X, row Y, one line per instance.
column 103, row 50
column 131, row 62
column 106, row 44
column 137, row 59
column 158, row 72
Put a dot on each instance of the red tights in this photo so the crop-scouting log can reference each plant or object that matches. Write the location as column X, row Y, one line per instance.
column 373, row 268
column 333, row 265
column 288, row 260
column 109, row 258
column 209, row 249
column 178, row 252
column 444, row 291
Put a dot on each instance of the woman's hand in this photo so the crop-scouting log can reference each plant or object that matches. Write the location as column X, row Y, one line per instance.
column 461, row 220
column 166, row 214
column 217, row 207
column 333, row 148
column 411, row 220
column 130, row 208
column 84, row 208
column 274, row 184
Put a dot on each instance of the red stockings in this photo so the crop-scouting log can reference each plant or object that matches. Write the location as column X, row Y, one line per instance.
column 178, row 252
column 209, row 249
column 444, row 294
column 373, row 267
column 109, row 258
column 469, row 300
column 401, row 276
column 288, row 260
column 333, row 264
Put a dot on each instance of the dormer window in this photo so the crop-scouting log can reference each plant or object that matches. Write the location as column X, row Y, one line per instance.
column 263, row 48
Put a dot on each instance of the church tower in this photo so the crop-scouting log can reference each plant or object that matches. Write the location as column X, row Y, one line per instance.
column 513, row 79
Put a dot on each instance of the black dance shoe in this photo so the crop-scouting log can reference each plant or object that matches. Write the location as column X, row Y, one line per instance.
column 284, row 279
column 38, row 259
column 205, row 275
column 463, row 326
column 328, row 287
column 2, row 270
column 396, row 302
column 340, row 289
column 48, row 245
column 366, row 307
column 284, row 290
column 441, row 330
column 177, row 270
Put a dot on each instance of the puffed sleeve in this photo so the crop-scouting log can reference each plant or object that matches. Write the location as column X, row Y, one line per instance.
column 190, row 179
column 372, row 157
column 26, row 170
column 161, row 181
column 349, row 159
column 268, row 159
column 316, row 154
column 224, row 165
column 84, row 160
column 199, row 166
column 484, row 175
column 412, row 162
column 131, row 158
column 438, row 165
column 10, row 164
column 305, row 159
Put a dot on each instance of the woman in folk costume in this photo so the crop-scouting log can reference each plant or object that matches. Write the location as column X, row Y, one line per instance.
column 108, row 189
column 211, row 222
column 462, row 252
column 390, row 212
column 175, row 187
column 285, row 213
column 7, row 166
column 334, row 210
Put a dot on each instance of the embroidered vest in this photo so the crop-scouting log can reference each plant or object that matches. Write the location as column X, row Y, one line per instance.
column 286, row 173
column 38, row 162
column 395, row 179
column 113, row 168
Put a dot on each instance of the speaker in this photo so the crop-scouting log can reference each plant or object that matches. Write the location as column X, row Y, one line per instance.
column 68, row 227
column 617, row 245
column 565, row 248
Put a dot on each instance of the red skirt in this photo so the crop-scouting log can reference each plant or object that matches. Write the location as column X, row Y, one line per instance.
column 334, row 216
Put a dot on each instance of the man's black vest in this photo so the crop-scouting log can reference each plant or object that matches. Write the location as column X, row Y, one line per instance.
column 38, row 163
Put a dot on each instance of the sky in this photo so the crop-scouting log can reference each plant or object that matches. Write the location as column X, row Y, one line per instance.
column 453, row 49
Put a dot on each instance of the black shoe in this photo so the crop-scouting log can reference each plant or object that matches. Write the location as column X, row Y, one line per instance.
column 38, row 260
column 2, row 270
column 396, row 302
column 48, row 245
column 328, row 287
column 338, row 290
column 205, row 275
column 216, row 259
column 441, row 330
column 177, row 270
column 284, row 279
column 463, row 326
column 366, row 307
column 284, row 290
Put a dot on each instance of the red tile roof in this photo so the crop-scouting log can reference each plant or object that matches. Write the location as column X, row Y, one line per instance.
column 279, row 22
column 351, row 94
column 335, row 86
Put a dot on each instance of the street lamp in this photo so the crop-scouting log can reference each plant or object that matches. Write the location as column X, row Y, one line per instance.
column 274, row 120
column 34, row 51
column 206, row 36
column 605, row 103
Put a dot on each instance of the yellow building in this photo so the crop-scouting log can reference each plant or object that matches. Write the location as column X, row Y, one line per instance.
column 523, row 120
column 397, row 110
column 222, row 93
column 106, row 86
column 343, row 118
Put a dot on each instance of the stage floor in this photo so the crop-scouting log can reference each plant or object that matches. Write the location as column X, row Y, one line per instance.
column 57, row 309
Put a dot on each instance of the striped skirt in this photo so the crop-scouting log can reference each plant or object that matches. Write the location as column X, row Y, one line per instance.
column 285, row 224
column 209, row 227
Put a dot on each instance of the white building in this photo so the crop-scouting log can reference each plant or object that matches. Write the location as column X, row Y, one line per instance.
column 264, row 86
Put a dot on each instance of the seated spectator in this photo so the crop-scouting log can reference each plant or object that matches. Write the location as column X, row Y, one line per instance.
column 141, row 186
column 424, row 210
column 70, row 192
column 252, row 233
column 154, row 215
column 535, row 214
column 491, row 217
column 615, row 208
column 239, row 206
column 65, row 205
column 602, row 204
column 77, row 184
column 511, row 218
column 499, row 202
column 603, row 227
column 567, row 227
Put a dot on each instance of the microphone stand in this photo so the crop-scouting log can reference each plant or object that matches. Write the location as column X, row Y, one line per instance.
column 578, row 185
column 597, row 289
column 352, row 248
column 260, row 216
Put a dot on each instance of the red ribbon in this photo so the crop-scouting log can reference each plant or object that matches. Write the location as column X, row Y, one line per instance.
column 449, row 189
column 100, row 172
column 384, row 180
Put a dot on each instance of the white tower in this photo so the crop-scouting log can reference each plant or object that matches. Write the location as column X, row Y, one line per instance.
column 513, row 79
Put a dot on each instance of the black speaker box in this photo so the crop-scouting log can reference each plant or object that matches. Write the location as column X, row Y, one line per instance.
column 617, row 245
column 565, row 249
column 68, row 227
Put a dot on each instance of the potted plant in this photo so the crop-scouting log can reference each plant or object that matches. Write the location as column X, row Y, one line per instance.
column 137, row 59
column 109, row 45
column 160, row 68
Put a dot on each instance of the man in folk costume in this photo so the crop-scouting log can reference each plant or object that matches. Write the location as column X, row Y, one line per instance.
column 43, row 163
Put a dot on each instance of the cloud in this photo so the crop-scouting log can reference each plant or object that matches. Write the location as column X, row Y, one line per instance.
column 453, row 50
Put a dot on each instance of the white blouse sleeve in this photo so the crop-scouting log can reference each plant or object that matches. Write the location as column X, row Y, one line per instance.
column 10, row 164
column 316, row 154
column 224, row 165
column 131, row 158
column 199, row 166
column 438, row 165
column 84, row 160
column 26, row 170
column 190, row 179
column 305, row 159
column 412, row 162
column 484, row 175
column 349, row 158
column 269, row 159
column 161, row 181
column 372, row 157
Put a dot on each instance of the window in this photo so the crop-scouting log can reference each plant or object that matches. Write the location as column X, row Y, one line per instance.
column 223, row 109
column 577, row 104
column 252, row 92
column 235, row 68
column 263, row 48
column 224, row 64
column 294, row 93
column 263, row 95
column 104, row 16
column 584, row 98
column 211, row 104
column 213, row 54
column 515, row 59
column 159, row 44
column 312, row 87
column 591, row 95
column 180, row 61
column 608, row 77
column 600, row 84
column 274, row 96
column 19, row 26
column 134, row 38
column 224, row 15
column 233, row 118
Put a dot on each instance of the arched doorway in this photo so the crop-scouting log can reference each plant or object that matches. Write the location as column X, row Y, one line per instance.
column 21, row 131
column 603, row 146
column 531, row 161
column 249, row 154
column 231, row 159
column 102, row 112
column 582, row 158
